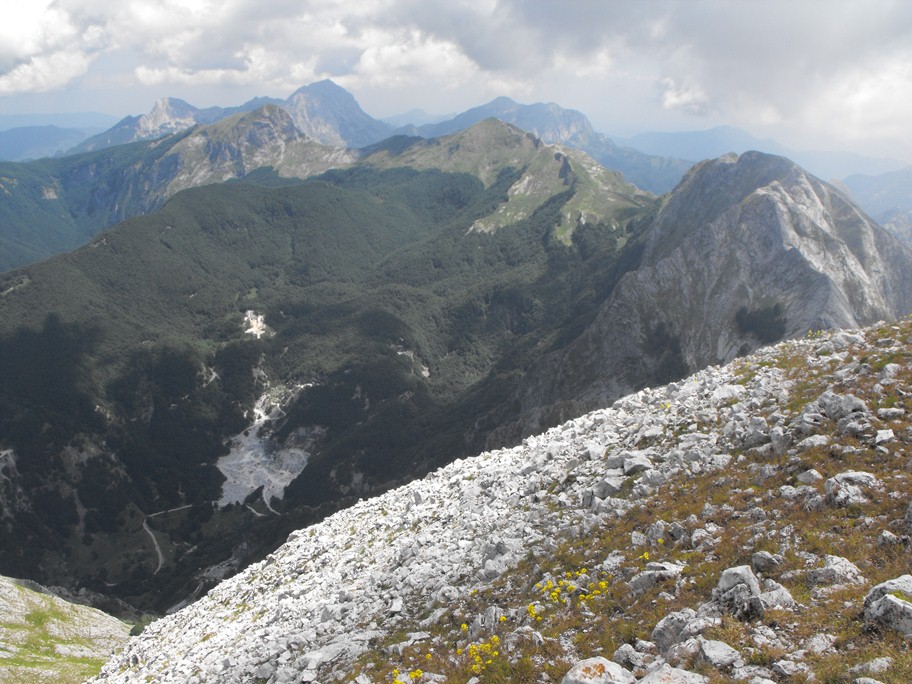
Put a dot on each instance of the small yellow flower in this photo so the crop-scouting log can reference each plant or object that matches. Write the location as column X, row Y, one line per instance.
column 503, row 618
column 464, row 627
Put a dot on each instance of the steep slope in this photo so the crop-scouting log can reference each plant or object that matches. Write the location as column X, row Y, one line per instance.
column 55, row 205
column 487, row 148
column 47, row 639
column 357, row 313
column 747, row 250
column 331, row 115
column 738, row 525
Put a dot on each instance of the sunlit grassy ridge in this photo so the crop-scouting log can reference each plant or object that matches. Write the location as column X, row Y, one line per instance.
column 45, row 639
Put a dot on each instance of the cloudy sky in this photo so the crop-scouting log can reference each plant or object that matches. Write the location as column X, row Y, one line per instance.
column 827, row 74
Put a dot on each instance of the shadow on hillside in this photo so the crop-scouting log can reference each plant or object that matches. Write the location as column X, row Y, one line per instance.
column 45, row 387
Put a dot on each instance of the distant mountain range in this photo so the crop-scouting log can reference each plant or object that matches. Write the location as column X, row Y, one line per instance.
column 36, row 142
column 54, row 205
column 887, row 197
column 195, row 383
column 699, row 145
column 49, row 211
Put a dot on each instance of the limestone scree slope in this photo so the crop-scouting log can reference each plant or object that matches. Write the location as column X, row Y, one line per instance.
column 748, row 523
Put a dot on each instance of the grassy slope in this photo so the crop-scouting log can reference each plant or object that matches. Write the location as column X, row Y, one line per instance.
column 585, row 611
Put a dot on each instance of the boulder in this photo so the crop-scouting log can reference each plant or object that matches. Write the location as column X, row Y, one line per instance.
column 892, row 612
column 673, row 675
column 717, row 654
column 597, row 670
column 901, row 585
column 836, row 570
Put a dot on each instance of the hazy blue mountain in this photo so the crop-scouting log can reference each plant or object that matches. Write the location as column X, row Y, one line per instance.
column 714, row 142
column 35, row 142
column 330, row 115
column 61, row 120
column 887, row 197
column 415, row 117
column 322, row 111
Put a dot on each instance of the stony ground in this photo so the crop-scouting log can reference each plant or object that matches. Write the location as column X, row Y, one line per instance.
column 46, row 639
column 749, row 523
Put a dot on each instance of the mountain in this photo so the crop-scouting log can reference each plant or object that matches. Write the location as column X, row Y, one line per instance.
column 322, row 111
column 196, row 383
column 547, row 121
column 82, row 120
column 168, row 115
column 331, row 115
column 887, row 197
column 54, row 205
column 35, row 142
column 554, row 124
column 748, row 523
column 715, row 142
column 747, row 250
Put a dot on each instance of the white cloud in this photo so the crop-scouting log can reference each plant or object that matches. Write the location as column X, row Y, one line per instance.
column 766, row 63
column 44, row 72
column 689, row 97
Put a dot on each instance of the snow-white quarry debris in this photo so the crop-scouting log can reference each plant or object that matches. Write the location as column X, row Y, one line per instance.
column 336, row 589
column 256, row 461
column 256, row 324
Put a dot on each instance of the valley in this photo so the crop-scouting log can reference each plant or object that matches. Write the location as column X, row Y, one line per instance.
column 241, row 331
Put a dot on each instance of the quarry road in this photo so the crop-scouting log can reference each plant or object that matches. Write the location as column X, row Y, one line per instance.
column 161, row 557
column 158, row 551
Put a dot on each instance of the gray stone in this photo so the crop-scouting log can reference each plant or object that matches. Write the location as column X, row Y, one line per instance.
column 809, row 477
column 837, row 406
column 836, row 570
column 668, row 630
column 900, row 585
column 876, row 666
column 597, row 670
column 672, row 675
column 636, row 463
column 891, row 413
column 790, row 668
column 717, row 654
column 766, row 562
column 891, row 612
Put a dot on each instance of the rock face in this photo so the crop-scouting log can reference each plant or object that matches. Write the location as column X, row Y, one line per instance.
column 401, row 563
column 746, row 251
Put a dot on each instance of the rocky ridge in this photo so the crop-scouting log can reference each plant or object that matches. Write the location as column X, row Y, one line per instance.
column 747, row 250
column 748, row 523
